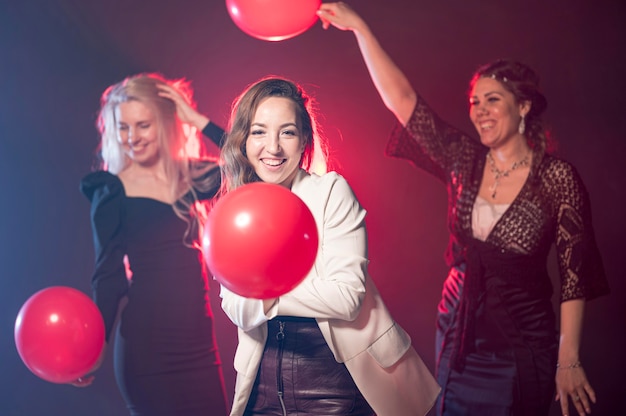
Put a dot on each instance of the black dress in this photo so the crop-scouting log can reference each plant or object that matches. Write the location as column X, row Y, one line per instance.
column 166, row 357
column 496, row 332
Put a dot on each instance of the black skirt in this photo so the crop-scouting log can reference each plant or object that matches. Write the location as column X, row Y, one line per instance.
column 299, row 375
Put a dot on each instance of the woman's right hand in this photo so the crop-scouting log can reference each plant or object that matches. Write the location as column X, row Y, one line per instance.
column 88, row 378
column 340, row 15
column 83, row 381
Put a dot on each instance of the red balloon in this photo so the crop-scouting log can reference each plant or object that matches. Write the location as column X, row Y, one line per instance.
column 260, row 240
column 59, row 334
column 273, row 20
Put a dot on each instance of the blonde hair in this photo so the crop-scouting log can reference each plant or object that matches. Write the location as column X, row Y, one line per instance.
column 184, row 175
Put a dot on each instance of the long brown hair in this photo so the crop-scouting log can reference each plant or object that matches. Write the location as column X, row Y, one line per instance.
column 236, row 169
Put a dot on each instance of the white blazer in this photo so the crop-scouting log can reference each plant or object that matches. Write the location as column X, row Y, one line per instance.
column 339, row 293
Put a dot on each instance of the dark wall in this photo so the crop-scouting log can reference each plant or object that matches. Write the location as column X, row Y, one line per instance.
column 56, row 57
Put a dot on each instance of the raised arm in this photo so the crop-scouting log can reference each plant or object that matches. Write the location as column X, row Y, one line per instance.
column 184, row 110
column 392, row 85
column 191, row 116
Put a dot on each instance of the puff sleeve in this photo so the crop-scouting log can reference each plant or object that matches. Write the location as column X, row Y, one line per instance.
column 109, row 283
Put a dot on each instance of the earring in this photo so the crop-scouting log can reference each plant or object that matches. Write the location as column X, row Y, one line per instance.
column 522, row 125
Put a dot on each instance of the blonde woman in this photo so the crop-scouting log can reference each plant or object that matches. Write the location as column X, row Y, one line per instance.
column 144, row 208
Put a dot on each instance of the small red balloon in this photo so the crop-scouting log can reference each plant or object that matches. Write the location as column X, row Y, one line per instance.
column 260, row 240
column 59, row 334
column 273, row 20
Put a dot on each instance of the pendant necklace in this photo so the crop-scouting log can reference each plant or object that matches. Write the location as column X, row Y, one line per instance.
column 497, row 173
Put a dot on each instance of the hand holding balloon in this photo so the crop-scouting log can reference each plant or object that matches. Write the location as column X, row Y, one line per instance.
column 59, row 334
column 341, row 16
column 88, row 378
column 260, row 240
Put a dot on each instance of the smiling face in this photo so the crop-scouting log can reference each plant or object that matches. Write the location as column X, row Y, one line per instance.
column 274, row 144
column 137, row 132
column 495, row 112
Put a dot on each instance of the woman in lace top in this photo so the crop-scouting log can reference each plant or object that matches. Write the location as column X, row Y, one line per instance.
column 509, row 202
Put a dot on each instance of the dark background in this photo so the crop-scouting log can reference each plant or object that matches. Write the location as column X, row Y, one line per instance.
column 56, row 58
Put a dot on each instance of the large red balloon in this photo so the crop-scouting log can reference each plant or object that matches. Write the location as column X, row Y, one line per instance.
column 59, row 334
column 260, row 240
column 273, row 20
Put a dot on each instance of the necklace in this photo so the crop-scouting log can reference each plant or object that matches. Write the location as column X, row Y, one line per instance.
column 497, row 173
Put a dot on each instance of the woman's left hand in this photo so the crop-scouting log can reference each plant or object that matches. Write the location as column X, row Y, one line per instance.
column 184, row 110
column 83, row 381
column 572, row 384
column 88, row 378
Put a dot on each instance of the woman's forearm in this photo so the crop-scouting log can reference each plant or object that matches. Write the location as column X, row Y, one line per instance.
column 572, row 312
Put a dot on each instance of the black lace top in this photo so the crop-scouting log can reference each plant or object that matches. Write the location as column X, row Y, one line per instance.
column 552, row 207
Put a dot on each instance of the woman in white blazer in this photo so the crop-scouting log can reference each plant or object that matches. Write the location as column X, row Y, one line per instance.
column 329, row 346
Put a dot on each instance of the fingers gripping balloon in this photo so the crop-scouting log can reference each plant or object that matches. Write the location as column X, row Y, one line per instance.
column 260, row 240
column 273, row 20
column 59, row 334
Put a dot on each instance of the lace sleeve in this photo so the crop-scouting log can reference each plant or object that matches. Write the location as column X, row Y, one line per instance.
column 430, row 143
column 580, row 265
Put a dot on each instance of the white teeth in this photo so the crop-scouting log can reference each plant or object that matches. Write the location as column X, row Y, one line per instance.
column 272, row 162
column 486, row 125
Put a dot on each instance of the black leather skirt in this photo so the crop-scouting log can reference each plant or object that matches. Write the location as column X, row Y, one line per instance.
column 299, row 375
